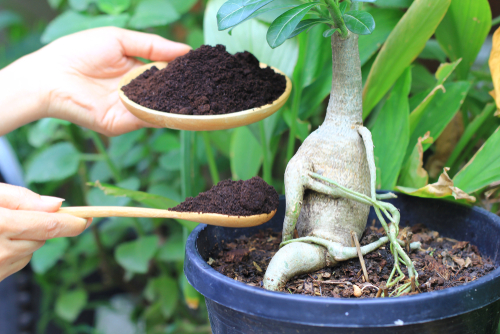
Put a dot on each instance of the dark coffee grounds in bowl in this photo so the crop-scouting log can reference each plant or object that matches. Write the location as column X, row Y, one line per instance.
column 207, row 81
column 235, row 198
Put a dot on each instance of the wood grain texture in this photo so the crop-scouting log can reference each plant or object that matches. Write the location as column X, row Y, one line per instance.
column 199, row 123
column 205, row 218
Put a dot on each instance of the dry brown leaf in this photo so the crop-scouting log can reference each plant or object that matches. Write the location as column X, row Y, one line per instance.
column 458, row 260
column 468, row 262
column 495, row 67
column 442, row 188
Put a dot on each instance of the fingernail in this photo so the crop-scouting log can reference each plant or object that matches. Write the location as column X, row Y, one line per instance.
column 89, row 221
column 52, row 199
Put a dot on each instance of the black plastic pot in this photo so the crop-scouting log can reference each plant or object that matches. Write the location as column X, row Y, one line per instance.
column 472, row 308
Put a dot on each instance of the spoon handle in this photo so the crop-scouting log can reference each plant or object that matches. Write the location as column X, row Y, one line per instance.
column 117, row 211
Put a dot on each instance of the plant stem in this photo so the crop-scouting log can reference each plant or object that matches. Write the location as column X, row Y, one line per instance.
column 334, row 10
column 102, row 150
column 186, row 146
column 211, row 160
column 495, row 21
column 265, row 153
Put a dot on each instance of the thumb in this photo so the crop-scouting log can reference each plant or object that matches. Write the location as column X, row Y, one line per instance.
column 149, row 46
column 19, row 198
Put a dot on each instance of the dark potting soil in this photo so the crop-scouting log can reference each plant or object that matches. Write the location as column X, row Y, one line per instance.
column 441, row 263
column 207, row 81
column 236, row 198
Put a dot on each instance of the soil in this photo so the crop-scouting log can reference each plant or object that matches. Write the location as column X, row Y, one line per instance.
column 236, row 198
column 441, row 263
column 207, row 81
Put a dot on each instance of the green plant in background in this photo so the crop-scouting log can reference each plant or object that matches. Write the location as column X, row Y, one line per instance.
column 158, row 168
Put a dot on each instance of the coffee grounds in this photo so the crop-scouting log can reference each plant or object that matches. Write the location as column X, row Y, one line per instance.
column 236, row 198
column 207, row 81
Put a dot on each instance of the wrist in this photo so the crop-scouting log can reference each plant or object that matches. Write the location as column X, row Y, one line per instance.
column 22, row 99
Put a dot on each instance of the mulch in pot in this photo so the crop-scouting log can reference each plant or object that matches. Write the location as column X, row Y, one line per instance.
column 441, row 263
column 207, row 81
column 235, row 198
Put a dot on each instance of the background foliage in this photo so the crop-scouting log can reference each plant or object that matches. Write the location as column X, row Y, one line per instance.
column 426, row 100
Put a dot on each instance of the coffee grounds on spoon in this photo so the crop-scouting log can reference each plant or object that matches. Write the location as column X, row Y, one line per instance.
column 207, row 81
column 234, row 198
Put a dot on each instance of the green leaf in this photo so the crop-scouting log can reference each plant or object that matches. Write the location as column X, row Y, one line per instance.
column 359, row 22
column 80, row 5
column 403, row 45
column 483, row 169
column 285, row 24
column 423, row 80
column 48, row 255
column 120, row 145
column 433, row 51
column 71, row 22
column 413, row 174
column 442, row 74
column 246, row 154
column 70, row 304
column 329, row 32
column 54, row 4
column 171, row 161
column 113, row 7
column 45, row 131
column 394, row 3
column 165, row 290
column 440, row 111
column 343, row 7
column 153, row 13
column 153, row 201
column 445, row 187
column 248, row 36
column 386, row 20
column 173, row 249
column 9, row 18
column 393, row 122
column 234, row 12
column 306, row 24
column 183, row 6
column 302, row 128
column 463, row 31
column 191, row 296
column 57, row 162
column 134, row 255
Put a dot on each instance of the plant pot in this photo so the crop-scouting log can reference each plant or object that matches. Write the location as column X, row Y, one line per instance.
column 235, row 307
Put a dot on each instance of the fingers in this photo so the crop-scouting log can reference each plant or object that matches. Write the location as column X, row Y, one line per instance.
column 149, row 46
column 31, row 225
column 13, row 267
column 19, row 198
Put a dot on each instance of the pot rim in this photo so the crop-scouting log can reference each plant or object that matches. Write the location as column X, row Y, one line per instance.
column 340, row 312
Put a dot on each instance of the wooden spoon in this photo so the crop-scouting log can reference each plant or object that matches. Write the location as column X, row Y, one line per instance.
column 199, row 123
column 205, row 218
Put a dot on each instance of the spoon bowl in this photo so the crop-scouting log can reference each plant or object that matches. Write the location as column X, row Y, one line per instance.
column 204, row 218
column 195, row 122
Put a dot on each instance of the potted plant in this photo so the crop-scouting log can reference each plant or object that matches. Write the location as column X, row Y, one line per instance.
column 336, row 166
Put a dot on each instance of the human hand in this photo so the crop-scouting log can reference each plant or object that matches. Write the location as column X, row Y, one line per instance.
column 76, row 77
column 26, row 221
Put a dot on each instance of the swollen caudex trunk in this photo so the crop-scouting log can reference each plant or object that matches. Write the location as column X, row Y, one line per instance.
column 336, row 150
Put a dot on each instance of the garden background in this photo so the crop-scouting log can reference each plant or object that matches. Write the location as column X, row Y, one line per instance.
column 124, row 274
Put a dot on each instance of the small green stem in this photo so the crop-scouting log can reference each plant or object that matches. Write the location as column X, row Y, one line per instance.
column 91, row 157
column 211, row 160
column 186, row 146
column 334, row 10
column 495, row 21
column 265, row 153
column 102, row 150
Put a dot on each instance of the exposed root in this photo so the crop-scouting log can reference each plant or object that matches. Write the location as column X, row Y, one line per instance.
column 294, row 259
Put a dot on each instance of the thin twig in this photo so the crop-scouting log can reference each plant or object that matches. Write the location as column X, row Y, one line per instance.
column 360, row 255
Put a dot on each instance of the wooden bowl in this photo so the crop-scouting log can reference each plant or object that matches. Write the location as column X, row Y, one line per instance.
column 194, row 122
